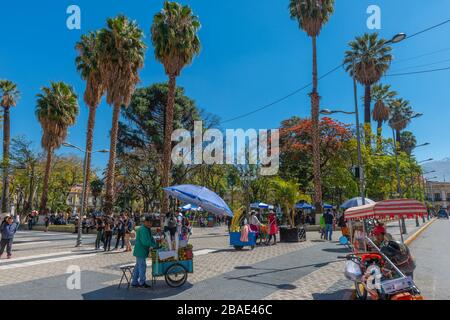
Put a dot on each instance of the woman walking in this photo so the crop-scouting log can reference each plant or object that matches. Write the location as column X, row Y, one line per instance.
column 273, row 228
column 128, row 230
column 100, row 226
column 108, row 234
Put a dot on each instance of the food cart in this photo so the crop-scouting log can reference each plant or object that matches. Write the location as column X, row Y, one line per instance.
column 174, row 271
column 368, row 263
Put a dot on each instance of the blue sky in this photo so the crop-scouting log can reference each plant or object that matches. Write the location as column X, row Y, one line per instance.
column 252, row 54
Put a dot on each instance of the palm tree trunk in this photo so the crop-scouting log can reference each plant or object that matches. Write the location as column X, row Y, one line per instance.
column 379, row 135
column 48, row 167
column 367, row 114
column 29, row 206
column 315, row 101
column 398, row 137
column 168, row 128
column 6, row 141
column 89, row 143
column 109, row 196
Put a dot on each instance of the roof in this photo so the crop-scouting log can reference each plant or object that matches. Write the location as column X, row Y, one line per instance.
column 387, row 209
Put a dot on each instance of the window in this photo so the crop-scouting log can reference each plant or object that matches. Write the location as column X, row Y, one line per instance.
column 448, row 196
column 437, row 197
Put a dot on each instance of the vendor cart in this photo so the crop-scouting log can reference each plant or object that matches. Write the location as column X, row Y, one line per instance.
column 174, row 272
column 367, row 262
column 235, row 240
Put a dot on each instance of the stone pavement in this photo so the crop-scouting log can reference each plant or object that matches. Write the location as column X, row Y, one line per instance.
column 307, row 270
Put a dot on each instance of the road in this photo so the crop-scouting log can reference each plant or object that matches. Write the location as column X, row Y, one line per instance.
column 42, row 264
column 431, row 251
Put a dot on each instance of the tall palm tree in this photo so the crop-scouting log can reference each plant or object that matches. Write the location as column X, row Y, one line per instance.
column 56, row 110
column 174, row 36
column 121, row 51
column 400, row 115
column 372, row 58
column 311, row 16
column 9, row 96
column 408, row 142
column 383, row 97
column 87, row 66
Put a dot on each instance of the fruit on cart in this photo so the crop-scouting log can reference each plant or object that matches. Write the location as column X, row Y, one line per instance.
column 236, row 221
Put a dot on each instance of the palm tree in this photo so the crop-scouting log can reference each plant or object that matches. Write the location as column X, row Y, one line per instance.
column 56, row 110
column 9, row 96
column 383, row 97
column 400, row 116
column 311, row 16
column 372, row 59
column 121, row 51
column 174, row 36
column 87, row 66
column 408, row 142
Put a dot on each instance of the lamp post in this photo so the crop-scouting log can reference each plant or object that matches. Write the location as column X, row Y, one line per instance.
column 85, row 182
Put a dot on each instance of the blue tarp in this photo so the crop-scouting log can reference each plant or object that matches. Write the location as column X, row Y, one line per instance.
column 200, row 196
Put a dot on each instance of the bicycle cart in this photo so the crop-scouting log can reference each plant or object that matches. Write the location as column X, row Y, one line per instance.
column 174, row 272
column 235, row 240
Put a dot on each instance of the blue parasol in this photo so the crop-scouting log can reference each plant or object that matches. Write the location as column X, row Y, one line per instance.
column 355, row 202
column 200, row 196
column 260, row 205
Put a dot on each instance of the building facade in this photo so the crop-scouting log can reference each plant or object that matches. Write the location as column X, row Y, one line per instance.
column 74, row 200
column 438, row 193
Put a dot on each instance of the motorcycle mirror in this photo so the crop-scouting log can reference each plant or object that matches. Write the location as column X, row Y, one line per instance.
column 343, row 240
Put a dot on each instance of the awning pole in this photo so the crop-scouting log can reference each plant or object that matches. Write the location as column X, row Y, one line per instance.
column 400, row 226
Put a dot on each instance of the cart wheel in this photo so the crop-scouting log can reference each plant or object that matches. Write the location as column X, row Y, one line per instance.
column 361, row 292
column 238, row 248
column 176, row 275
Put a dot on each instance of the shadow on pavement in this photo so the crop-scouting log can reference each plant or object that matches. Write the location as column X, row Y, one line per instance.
column 339, row 250
column 160, row 291
column 342, row 294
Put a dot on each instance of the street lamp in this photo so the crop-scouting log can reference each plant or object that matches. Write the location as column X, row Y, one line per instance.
column 85, row 182
column 397, row 38
column 428, row 160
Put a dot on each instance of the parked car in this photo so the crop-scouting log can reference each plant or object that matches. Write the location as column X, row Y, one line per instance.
column 443, row 214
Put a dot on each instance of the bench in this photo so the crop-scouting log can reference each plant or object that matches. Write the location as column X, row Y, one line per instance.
column 127, row 274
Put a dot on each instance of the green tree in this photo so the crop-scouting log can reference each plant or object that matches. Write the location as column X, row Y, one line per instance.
column 383, row 97
column 371, row 58
column 400, row 116
column 96, row 187
column 311, row 15
column 56, row 110
column 9, row 94
column 121, row 52
column 88, row 67
column 174, row 36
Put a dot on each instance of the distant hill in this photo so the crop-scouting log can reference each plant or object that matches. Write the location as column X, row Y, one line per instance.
column 442, row 168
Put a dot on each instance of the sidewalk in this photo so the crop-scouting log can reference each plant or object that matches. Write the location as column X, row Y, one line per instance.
column 394, row 229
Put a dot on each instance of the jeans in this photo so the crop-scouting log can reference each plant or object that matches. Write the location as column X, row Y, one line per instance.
column 98, row 239
column 108, row 238
column 120, row 236
column 328, row 231
column 8, row 244
column 140, row 270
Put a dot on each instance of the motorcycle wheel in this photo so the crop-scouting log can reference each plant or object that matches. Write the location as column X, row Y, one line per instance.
column 361, row 292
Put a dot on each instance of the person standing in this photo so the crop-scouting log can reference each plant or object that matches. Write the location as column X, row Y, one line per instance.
column 322, row 227
column 120, row 227
column 30, row 221
column 273, row 228
column 255, row 224
column 108, row 234
column 46, row 222
column 8, row 229
column 329, row 219
column 128, row 230
column 144, row 242
column 100, row 227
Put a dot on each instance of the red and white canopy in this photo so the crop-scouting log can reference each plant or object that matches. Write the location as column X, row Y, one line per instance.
column 388, row 209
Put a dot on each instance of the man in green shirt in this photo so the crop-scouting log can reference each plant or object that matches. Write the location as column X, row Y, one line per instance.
column 144, row 241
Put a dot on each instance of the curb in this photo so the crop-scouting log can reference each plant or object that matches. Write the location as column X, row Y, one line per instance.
column 418, row 232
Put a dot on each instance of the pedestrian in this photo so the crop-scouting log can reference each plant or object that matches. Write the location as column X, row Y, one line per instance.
column 255, row 224
column 8, row 229
column 144, row 242
column 128, row 230
column 46, row 222
column 30, row 221
column 329, row 219
column 108, row 233
column 120, row 228
column 273, row 228
column 322, row 227
column 100, row 227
